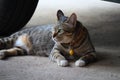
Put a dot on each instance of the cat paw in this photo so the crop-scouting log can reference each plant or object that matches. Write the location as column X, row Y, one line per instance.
column 80, row 63
column 62, row 63
column 2, row 55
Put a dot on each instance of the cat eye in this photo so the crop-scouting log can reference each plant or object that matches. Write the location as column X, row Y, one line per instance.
column 60, row 31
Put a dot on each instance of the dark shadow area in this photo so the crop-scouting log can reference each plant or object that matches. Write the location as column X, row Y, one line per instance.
column 108, row 58
column 115, row 1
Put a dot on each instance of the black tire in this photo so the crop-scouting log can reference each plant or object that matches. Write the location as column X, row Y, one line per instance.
column 14, row 14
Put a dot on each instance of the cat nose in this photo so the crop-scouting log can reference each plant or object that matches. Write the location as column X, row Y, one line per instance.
column 55, row 34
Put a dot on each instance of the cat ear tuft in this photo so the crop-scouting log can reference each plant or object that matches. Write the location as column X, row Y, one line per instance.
column 59, row 14
column 72, row 19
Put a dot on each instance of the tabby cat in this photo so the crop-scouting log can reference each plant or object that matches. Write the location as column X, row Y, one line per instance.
column 68, row 39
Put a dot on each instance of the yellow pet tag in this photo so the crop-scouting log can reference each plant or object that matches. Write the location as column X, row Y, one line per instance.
column 71, row 52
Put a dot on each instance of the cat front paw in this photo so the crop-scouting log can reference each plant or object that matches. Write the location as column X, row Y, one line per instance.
column 80, row 63
column 2, row 55
column 62, row 63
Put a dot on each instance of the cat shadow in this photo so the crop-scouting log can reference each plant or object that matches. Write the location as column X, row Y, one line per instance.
column 9, row 57
column 106, row 59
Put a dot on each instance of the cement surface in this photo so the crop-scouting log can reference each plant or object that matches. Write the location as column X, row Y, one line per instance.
column 101, row 18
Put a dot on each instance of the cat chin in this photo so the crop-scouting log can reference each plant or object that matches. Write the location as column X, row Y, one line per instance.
column 65, row 41
column 61, row 41
column 56, row 40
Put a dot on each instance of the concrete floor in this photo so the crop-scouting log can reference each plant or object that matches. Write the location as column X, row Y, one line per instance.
column 101, row 18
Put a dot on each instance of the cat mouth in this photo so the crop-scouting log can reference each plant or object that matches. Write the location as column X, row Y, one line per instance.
column 61, row 41
column 57, row 40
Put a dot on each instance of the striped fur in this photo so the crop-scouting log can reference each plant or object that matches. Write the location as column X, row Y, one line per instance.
column 70, row 34
column 52, row 40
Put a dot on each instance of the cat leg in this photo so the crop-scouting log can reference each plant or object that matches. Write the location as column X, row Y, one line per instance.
column 12, row 52
column 86, row 59
column 22, row 46
column 6, row 42
column 58, row 58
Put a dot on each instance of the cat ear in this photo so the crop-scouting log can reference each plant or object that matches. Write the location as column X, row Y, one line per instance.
column 59, row 14
column 72, row 19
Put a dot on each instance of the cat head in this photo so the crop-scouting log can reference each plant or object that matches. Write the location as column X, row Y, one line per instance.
column 63, row 31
